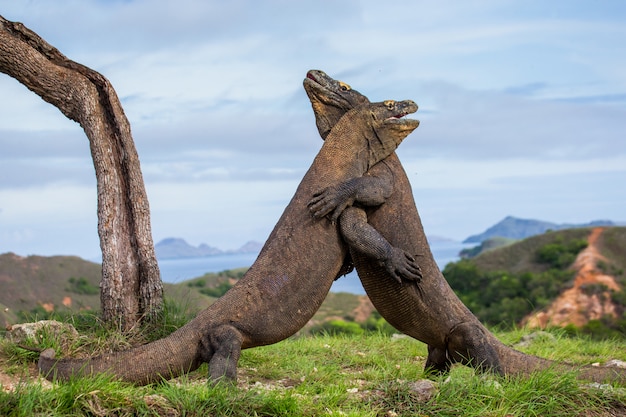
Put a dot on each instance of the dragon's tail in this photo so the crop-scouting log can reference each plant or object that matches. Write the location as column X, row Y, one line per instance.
column 514, row 362
column 165, row 358
column 472, row 344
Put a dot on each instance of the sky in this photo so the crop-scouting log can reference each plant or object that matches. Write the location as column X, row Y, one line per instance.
column 522, row 110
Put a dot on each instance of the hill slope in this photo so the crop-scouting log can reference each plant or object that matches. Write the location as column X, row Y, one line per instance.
column 38, row 285
column 47, row 283
column 569, row 277
column 589, row 298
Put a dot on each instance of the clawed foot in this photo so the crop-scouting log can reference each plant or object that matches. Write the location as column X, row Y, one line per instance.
column 402, row 266
column 330, row 200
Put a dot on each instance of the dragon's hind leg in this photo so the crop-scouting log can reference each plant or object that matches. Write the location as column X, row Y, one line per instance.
column 469, row 345
column 222, row 348
column 437, row 362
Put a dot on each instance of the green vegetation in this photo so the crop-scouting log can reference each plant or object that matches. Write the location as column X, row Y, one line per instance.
column 217, row 291
column 503, row 286
column 338, row 366
column 338, row 326
column 368, row 374
column 197, row 283
column 82, row 286
column 560, row 254
column 603, row 329
column 215, row 285
column 501, row 297
column 33, row 281
column 375, row 323
column 611, row 244
column 522, row 256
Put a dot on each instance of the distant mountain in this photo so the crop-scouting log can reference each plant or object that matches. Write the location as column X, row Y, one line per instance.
column 251, row 246
column 515, row 228
column 176, row 248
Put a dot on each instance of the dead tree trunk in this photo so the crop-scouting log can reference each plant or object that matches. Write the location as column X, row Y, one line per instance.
column 131, row 287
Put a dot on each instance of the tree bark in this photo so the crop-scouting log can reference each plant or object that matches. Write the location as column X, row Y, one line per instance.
column 131, row 289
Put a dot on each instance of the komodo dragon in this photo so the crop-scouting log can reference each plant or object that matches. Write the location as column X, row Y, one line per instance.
column 286, row 284
column 431, row 313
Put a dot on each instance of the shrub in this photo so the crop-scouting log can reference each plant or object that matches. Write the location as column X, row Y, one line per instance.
column 217, row 291
column 558, row 254
column 82, row 286
column 376, row 323
column 335, row 327
column 199, row 283
column 504, row 298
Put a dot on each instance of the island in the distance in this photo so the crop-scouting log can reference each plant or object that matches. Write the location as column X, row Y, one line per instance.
column 177, row 248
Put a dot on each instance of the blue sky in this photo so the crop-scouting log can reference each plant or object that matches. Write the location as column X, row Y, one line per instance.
column 522, row 104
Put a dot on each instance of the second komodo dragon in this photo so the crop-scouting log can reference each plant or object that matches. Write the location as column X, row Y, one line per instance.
column 286, row 284
column 431, row 313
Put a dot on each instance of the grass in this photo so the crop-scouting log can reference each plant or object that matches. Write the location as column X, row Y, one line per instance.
column 371, row 374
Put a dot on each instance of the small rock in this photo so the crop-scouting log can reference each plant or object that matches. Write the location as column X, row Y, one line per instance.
column 492, row 383
column 424, row 389
column 606, row 388
column 33, row 332
column 616, row 363
column 528, row 339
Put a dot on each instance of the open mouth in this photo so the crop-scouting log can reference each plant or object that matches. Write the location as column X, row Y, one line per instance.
column 311, row 77
column 397, row 116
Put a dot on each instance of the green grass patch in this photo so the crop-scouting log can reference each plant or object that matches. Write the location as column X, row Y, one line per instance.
column 369, row 374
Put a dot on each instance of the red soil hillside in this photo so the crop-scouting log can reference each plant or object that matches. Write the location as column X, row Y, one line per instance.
column 578, row 305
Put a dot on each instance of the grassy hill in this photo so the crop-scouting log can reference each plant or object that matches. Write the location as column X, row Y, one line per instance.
column 505, row 285
column 521, row 255
column 613, row 246
column 39, row 283
column 36, row 287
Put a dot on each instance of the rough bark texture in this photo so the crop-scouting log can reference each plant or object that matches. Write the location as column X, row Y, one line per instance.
column 131, row 287
column 286, row 284
column 430, row 312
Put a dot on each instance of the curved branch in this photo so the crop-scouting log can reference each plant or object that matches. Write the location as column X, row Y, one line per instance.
column 131, row 287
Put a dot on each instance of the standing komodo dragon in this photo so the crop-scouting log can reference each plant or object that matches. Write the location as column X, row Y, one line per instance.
column 286, row 284
column 431, row 313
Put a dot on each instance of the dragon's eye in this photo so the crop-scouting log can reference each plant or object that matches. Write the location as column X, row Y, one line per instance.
column 344, row 86
column 390, row 104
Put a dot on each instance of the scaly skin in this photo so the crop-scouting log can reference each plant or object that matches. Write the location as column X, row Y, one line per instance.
column 431, row 313
column 286, row 284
